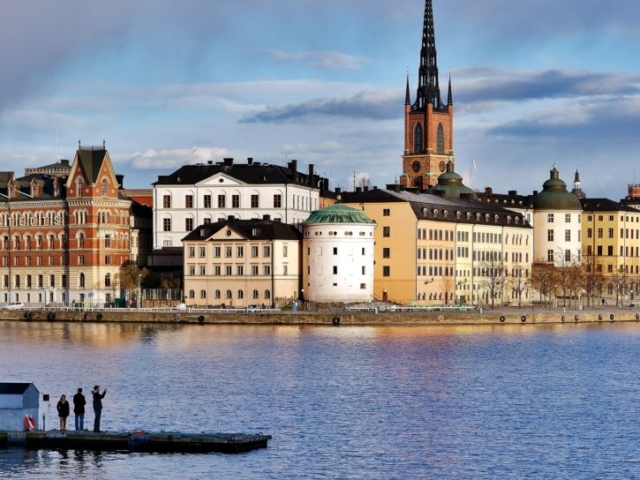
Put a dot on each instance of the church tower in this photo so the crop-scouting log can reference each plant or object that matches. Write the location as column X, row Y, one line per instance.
column 428, row 122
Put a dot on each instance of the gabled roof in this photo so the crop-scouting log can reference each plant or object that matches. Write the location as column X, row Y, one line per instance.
column 250, row 229
column 91, row 162
column 14, row 388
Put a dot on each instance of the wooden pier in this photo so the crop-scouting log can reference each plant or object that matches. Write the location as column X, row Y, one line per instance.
column 137, row 441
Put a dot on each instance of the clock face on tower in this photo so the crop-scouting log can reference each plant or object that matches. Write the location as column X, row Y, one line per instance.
column 442, row 166
column 416, row 166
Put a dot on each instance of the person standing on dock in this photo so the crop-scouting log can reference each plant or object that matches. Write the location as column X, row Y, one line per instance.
column 63, row 411
column 97, row 406
column 78, row 408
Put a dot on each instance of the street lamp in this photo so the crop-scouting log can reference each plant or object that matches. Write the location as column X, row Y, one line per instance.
column 139, row 290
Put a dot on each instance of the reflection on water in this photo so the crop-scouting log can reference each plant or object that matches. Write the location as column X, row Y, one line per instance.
column 503, row 401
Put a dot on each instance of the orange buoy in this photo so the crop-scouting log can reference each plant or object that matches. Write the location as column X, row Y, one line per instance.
column 29, row 423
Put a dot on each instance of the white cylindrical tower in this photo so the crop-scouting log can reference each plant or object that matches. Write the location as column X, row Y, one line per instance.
column 337, row 255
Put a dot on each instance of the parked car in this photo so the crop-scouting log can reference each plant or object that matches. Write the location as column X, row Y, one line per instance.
column 14, row 306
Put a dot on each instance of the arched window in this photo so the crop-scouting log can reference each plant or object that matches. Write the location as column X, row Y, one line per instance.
column 229, row 295
column 105, row 186
column 218, row 295
column 440, row 138
column 255, row 294
column 203, row 294
column 79, row 185
column 51, row 241
column 240, row 294
column 81, row 240
column 267, row 294
column 81, row 280
column 417, row 139
column 107, row 280
column 192, row 294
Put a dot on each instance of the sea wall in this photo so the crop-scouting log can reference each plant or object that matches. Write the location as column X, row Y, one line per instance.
column 475, row 317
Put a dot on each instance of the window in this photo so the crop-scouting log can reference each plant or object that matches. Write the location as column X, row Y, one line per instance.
column 192, row 294
column 549, row 217
column 386, row 253
column 254, row 270
column 166, row 201
column 417, row 139
column 611, row 233
column 203, row 294
column 217, row 252
column 335, row 250
column 255, row 201
column 227, row 270
column 217, row 294
column 188, row 201
column 105, row 187
column 203, row 270
column 228, row 251
column 255, row 294
column 589, row 233
column 107, row 259
column 567, row 235
column 386, row 231
column 222, row 201
column 217, row 270
column 610, row 250
column 254, row 251
column 229, row 295
column 207, row 201
column 277, row 201
column 240, row 270
column 63, row 281
column 166, row 224
column 188, row 224
column 235, row 201
column 107, row 280
column 567, row 255
column 550, row 256
column 440, row 138
column 79, row 185
column 567, row 218
column 267, row 269
column 80, row 259
column 240, row 294
column 192, row 269
column 386, row 212
column 285, row 251
column 386, row 271
column 191, row 252
column 107, row 241
column 240, row 251
column 335, row 269
column 600, row 232
column 266, row 251
column 550, row 235
column 81, row 280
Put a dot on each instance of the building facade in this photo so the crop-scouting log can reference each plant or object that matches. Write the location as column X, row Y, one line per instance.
column 237, row 263
column 207, row 193
column 64, row 239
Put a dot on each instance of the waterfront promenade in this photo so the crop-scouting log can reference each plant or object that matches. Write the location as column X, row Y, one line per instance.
column 337, row 316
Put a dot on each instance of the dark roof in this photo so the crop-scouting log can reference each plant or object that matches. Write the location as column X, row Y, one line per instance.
column 429, row 206
column 91, row 162
column 252, row 229
column 251, row 173
column 13, row 388
column 604, row 205
column 338, row 213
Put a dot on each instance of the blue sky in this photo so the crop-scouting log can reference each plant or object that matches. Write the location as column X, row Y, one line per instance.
column 168, row 82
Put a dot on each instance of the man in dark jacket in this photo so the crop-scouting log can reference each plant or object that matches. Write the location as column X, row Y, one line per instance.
column 97, row 406
column 78, row 408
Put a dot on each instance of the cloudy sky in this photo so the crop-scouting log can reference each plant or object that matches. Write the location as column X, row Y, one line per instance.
column 171, row 82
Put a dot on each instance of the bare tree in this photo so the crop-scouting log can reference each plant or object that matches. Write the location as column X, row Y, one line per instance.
column 544, row 279
column 518, row 283
column 593, row 279
column 491, row 276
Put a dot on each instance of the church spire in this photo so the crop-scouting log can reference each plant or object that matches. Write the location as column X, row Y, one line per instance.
column 407, row 97
column 449, row 95
column 428, row 85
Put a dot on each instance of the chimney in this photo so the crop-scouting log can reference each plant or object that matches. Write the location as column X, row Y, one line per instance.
column 209, row 162
column 250, row 161
column 266, row 217
column 488, row 191
column 366, row 188
column 512, row 193
column 231, row 218
column 358, row 189
column 311, row 175
column 338, row 190
column 293, row 165
column 325, row 184
column 535, row 192
column 228, row 162
column 64, row 162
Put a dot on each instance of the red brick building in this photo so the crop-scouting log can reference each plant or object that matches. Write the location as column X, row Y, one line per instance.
column 64, row 237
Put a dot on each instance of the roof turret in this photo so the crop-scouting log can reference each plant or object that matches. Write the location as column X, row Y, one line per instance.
column 554, row 195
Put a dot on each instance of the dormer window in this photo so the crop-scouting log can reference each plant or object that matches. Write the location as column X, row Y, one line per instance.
column 105, row 187
column 79, row 185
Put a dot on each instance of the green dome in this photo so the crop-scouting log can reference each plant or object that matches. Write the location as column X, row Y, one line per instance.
column 450, row 183
column 338, row 213
column 554, row 195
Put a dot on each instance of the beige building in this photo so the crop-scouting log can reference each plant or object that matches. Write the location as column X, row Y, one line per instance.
column 237, row 263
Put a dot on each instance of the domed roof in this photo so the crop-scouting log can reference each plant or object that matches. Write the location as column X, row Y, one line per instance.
column 450, row 184
column 338, row 213
column 554, row 195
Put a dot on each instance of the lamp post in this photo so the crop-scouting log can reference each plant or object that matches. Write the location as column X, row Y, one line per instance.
column 139, row 290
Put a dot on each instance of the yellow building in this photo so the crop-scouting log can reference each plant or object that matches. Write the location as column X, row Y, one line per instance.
column 611, row 247
column 434, row 250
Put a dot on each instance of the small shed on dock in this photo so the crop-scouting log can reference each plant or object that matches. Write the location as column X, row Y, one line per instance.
column 16, row 401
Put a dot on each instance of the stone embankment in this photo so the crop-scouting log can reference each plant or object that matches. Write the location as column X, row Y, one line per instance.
column 340, row 317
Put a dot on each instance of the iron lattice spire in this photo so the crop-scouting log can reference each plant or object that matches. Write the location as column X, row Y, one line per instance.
column 428, row 84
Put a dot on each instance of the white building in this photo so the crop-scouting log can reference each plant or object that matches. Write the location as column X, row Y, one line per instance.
column 558, row 223
column 207, row 193
column 338, row 253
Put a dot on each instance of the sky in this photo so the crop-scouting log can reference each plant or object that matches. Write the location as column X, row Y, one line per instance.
column 172, row 82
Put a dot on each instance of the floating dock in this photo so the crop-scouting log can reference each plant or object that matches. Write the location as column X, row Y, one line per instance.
column 137, row 441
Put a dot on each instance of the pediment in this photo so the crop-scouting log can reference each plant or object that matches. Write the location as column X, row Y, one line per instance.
column 227, row 233
column 219, row 180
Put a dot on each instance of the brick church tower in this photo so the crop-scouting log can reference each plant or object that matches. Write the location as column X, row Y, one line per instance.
column 428, row 122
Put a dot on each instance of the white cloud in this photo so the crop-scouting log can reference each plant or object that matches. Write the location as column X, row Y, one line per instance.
column 326, row 60
column 164, row 159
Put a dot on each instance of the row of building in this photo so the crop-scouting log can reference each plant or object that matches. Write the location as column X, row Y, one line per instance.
column 254, row 233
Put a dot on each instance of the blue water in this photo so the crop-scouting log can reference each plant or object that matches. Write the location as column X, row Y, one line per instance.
column 508, row 401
